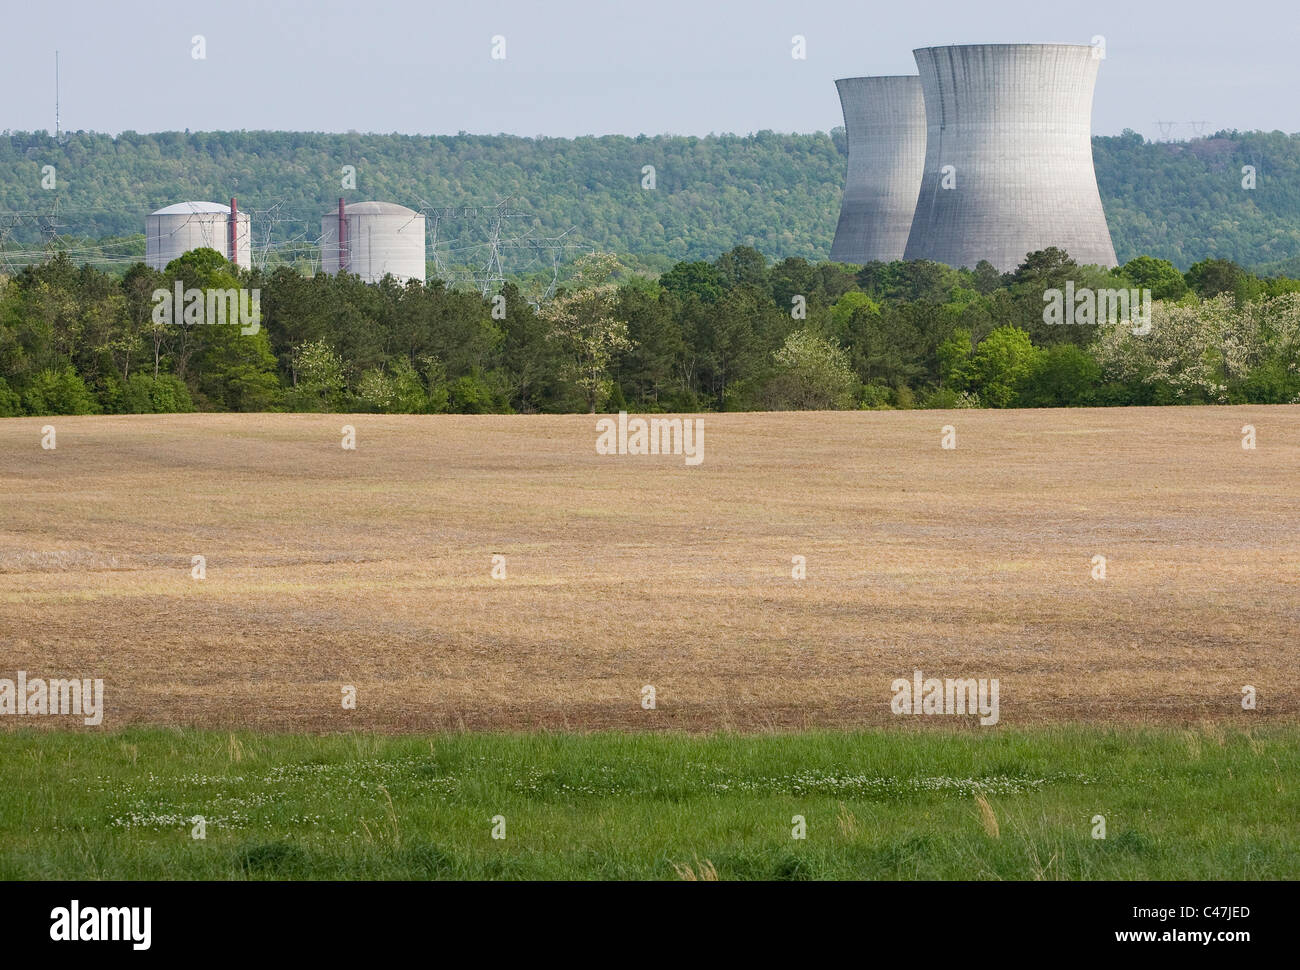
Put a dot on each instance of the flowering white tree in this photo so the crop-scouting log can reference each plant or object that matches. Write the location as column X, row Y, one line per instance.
column 813, row 374
column 1197, row 350
column 583, row 324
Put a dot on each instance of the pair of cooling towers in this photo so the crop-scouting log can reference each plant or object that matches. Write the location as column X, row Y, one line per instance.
column 987, row 154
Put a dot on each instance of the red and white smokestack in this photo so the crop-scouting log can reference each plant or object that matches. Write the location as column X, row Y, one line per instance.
column 232, row 247
column 343, row 238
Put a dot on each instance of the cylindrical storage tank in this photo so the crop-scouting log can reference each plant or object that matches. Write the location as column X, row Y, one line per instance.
column 884, row 121
column 379, row 238
column 179, row 228
column 1008, row 159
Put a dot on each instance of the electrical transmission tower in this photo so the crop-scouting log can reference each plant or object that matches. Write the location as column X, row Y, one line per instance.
column 483, row 262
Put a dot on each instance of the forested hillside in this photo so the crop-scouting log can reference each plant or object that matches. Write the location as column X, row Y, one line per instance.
column 779, row 193
column 1184, row 201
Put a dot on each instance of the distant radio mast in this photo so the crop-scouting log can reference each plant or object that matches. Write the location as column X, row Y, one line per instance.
column 56, row 95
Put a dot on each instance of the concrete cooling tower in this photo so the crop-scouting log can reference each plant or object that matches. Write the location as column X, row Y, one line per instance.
column 371, row 239
column 179, row 228
column 884, row 119
column 1008, row 158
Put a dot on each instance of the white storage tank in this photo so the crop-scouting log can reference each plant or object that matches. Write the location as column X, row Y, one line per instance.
column 378, row 238
column 179, row 228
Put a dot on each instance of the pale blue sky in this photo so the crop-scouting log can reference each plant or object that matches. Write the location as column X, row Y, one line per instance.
column 576, row 68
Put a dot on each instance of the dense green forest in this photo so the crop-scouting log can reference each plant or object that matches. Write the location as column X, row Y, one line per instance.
column 737, row 332
column 778, row 193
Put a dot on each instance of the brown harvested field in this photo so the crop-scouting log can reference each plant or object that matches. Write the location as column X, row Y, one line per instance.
column 372, row 568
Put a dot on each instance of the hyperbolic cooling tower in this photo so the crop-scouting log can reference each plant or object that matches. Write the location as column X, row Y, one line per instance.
column 179, row 228
column 371, row 239
column 884, row 119
column 1014, row 121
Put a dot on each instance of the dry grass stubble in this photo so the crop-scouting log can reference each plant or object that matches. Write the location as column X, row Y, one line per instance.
column 327, row 567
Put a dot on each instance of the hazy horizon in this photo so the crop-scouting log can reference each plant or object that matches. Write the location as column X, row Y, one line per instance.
column 573, row 69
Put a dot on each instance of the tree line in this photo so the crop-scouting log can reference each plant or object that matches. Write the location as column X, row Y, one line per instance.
column 734, row 333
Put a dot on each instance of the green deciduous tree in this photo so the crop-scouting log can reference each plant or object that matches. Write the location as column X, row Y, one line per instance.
column 998, row 366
